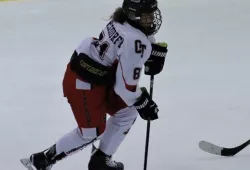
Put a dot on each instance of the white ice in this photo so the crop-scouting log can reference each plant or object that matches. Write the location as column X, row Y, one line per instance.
column 203, row 92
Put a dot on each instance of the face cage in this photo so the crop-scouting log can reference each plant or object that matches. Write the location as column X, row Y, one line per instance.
column 152, row 24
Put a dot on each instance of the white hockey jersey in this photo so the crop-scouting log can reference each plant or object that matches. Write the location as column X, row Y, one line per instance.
column 125, row 46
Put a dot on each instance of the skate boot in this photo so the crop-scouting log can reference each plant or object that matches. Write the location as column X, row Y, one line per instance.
column 42, row 160
column 101, row 161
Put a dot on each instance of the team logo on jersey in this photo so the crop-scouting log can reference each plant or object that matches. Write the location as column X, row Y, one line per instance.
column 139, row 47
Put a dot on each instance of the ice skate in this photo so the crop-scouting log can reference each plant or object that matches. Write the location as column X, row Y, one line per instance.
column 101, row 161
column 41, row 160
column 37, row 161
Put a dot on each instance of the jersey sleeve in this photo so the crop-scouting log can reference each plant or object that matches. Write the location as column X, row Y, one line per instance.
column 131, row 57
column 152, row 39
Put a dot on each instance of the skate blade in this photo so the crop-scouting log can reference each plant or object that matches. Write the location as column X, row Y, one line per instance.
column 27, row 163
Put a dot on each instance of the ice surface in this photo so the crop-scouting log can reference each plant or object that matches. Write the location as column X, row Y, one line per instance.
column 203, row 92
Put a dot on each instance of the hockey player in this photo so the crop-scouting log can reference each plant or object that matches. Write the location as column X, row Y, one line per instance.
column 102, row 77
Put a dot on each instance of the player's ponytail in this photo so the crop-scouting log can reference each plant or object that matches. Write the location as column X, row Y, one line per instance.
column 119, row 16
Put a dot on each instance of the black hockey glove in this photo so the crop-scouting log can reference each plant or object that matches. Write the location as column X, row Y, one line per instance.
column 146, row 107
column 155, row 63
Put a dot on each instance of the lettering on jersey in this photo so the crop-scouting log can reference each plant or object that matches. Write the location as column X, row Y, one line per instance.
column 114, row 35
column 92, row 69
column 139, row 47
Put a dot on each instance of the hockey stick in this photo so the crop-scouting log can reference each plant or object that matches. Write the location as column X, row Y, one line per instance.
column 222, row 151
column 148, row 125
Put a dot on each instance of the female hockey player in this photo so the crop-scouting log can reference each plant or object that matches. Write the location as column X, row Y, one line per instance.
column 102, row 77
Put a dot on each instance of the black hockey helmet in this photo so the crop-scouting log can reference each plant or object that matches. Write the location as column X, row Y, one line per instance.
column 143, row 14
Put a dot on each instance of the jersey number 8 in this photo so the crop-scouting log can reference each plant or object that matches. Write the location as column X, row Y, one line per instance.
column 137, row 73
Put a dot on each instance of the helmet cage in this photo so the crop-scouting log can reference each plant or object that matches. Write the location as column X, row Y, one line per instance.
column 143, row 15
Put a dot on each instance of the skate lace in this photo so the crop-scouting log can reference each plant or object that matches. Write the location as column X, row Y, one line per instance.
column 110, row 162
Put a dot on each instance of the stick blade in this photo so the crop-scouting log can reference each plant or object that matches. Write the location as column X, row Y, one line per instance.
column 217, row 150
column 210, row 148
